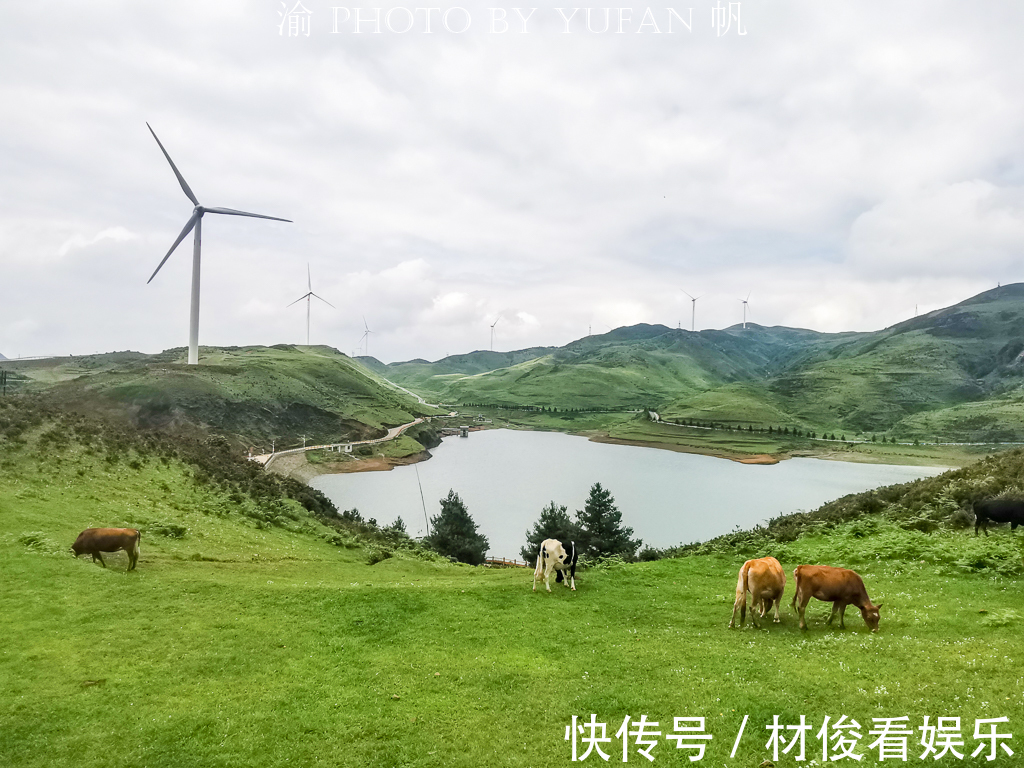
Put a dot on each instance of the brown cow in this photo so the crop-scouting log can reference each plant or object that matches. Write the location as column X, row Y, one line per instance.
column 765, row 580
column 839, row 586
column 92, row 541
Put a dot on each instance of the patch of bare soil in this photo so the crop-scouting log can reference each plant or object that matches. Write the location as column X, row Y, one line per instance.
column 297, row 466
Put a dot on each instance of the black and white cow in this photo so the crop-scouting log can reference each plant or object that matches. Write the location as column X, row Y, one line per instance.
column 554, row 556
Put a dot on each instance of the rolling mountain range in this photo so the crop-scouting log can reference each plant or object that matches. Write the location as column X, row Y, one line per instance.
column 252, row 394
column 954, row 374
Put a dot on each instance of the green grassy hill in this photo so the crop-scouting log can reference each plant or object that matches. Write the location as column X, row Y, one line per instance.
column 966, row 354
column 956, row 374
column 252, row 634
column 253, row 394
column 626, row 367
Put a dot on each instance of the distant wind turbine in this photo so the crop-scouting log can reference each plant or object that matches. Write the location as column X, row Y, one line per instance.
column 366, row 337
column 492, row 331
column 693, row 314
column 308, row 297
column 745, row 302
column 195, row 222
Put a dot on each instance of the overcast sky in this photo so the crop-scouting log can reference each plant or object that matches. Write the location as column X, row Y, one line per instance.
column 841, row 162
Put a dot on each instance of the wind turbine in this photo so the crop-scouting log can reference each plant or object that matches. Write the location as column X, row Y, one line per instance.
column 308, row 297
column 693, row 314
column 492, row 331
column 745, row 302
column 366, row 336
column 195, row 222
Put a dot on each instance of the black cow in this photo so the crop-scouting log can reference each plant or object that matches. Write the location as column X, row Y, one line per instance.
column 998, row 511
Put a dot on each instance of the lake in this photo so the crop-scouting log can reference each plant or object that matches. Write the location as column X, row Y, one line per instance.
column 506, row 477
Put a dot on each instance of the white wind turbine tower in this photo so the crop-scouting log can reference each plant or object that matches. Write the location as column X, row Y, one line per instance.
column 308, row 297
column 195, row 222
column 745, row 302
column 492, row 331
column 693, row 314
column 366, row 337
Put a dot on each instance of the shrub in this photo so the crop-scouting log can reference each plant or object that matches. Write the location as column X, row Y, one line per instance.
column 378, row 554
column 649, row 554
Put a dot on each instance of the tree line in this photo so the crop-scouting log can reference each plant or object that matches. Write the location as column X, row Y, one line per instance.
column 597, row 530
column 773, row 430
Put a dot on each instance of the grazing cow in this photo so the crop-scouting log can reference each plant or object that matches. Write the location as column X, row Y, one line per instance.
column 553, row 556
column 92, row 541
column 765, row 580
column 998, row 511
column 839, row 586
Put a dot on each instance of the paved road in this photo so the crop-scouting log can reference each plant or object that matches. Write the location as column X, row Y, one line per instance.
column 394, row 432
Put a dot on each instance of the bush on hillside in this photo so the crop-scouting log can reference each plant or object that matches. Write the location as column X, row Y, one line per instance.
column 212, row 458
column 929, row 504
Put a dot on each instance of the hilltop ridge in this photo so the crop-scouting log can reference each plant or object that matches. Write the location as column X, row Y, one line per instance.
column 254, row 395
column 955, row 373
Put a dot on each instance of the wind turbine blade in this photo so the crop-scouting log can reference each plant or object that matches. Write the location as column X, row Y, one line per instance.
column 325, row 301
column 233, row 212
column 748, row 295
column 300, row 299
column 181, row 179
column 309, row 279
column 184, row 233
column 691, row 297
column 365, row 325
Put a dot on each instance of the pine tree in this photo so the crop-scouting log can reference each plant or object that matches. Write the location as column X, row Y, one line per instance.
column 601, row 530
column 454, row 533
column 554, row 523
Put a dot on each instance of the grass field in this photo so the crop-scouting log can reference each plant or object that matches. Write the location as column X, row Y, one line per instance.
column 242, row 640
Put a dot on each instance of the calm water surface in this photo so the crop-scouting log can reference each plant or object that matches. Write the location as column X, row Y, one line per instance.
column 506, row 477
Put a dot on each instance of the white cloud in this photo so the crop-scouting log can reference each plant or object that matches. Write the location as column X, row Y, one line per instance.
column 844, row 160
column 970, row 228
column 117, row 234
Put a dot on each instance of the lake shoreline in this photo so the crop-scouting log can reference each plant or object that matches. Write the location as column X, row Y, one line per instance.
column 740, row 458
column 506, row 477
column 300, row 468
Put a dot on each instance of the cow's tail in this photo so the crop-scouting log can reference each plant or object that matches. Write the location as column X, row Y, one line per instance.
column 136, row 549
column 741, row 598
column 539, row 570
column 741, row 584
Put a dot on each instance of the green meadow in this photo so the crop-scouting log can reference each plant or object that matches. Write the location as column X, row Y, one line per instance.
column 253, row 634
